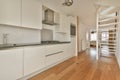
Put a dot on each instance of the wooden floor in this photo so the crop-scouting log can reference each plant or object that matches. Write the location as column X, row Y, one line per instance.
column 83, row 67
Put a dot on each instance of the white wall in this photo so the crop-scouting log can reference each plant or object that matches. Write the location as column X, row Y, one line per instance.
column 83, row 31
column 20, row 35
column 118, row 45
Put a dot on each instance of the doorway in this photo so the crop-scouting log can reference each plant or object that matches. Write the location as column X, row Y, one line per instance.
column 93, row 38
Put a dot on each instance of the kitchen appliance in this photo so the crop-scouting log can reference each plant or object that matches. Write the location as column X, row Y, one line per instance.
column 72, row 29
column 49, row 17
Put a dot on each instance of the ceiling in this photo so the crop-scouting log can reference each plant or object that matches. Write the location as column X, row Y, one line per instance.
column 108, row 2
column 85, row 9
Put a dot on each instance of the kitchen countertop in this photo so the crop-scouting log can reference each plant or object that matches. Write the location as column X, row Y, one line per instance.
column 3, row 46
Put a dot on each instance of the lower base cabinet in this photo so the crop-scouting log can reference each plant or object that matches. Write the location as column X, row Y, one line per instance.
column 66, row 48
column 34, row 59
column 19, row 62
column 11, row 61
column 51, row 59
column 54, row 53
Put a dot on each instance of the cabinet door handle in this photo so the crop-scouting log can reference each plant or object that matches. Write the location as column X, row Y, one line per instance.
column 54, row 53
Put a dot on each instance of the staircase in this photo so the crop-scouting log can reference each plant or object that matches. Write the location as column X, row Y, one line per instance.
column 107, row 31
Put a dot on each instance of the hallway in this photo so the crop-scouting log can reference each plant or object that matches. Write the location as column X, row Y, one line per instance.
column 83, row 67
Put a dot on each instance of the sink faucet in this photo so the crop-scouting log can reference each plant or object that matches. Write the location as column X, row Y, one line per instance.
column 5, row 38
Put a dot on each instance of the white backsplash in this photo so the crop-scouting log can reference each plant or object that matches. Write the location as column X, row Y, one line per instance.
column 61, row 37
column 46, row 35
column 20, row 35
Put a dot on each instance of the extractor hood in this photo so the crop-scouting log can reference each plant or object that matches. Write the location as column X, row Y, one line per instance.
column 49, row 17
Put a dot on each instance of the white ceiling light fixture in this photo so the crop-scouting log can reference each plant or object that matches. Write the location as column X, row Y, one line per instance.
column 68, row 2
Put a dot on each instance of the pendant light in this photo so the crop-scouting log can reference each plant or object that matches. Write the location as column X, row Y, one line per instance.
column 68, row 2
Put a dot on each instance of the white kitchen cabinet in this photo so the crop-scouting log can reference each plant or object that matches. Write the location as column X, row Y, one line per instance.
column 34, row 59
column 66, row 48
column 56, row 18
column 11, row 64
column 54, row 54
column 73, row 20
column 10, row 12
column 69, row 49
column 64, row 24
column 32, row 14
column 63, row 30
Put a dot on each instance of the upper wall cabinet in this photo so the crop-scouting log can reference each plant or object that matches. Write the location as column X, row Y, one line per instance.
column 10, row 12
column 72, row 20
column 32, row 14
column 64, row 24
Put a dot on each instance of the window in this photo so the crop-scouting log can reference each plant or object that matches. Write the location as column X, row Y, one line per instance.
column 93, row 36
column 104, row 36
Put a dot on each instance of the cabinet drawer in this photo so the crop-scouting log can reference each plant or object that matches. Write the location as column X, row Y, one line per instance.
column 50, row 49
column 54, row 57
